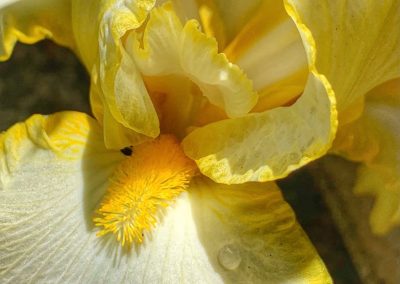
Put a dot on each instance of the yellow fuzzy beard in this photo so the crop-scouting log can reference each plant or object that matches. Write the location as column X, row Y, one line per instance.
column 146, row 182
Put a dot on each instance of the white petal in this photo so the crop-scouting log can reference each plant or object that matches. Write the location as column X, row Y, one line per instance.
column 47, row 202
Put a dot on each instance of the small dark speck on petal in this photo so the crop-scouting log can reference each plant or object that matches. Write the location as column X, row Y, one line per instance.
column 127, row 151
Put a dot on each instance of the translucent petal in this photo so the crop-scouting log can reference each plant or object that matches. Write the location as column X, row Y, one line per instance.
column 54, row 171
column 169, row 47
column 374, row 140
column 31, row 21
column 99, row 27
column 358, row 43
column 251, row 235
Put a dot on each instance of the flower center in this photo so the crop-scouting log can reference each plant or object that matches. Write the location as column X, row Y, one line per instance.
column 146, row 182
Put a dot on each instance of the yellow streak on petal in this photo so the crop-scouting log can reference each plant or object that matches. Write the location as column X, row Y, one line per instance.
column 212, row 22
column 255, row 28
column 149, row 180
column 282, row 93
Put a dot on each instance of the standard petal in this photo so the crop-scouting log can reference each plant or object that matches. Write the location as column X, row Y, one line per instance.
column 271, row 144
column 357, row 42
column 268, row 145
column 99, row 27
column 374, row 140
column 251, row 235
column 172, row 48
column 31, row 21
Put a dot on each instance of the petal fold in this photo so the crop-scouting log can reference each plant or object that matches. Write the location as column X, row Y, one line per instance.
column 123, row 104
column 32, row 21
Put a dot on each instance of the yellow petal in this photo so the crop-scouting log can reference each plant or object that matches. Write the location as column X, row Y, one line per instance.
column 373, row 139
column 251, row 235
column 225, row 19
column 99, row 27
column 185, row 9
column 269, row 145
column 31, row 21
column 270, row 51
column 358, row 43
column 54, row 171
column 173, row 48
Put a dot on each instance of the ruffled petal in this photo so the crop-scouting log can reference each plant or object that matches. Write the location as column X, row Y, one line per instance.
column 99, row 27
column 251, row 235
column 54, row 171
column 374, row 140
column 170, row 48
column 357, row 42
column 32, row 21
column 269, row 145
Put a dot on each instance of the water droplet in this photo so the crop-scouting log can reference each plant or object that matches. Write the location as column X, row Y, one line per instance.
column 229, row 257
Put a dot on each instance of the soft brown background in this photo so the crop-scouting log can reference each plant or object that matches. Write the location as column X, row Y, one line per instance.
column 45, row 78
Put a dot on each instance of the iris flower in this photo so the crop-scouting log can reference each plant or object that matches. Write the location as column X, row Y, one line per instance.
column 199, row 107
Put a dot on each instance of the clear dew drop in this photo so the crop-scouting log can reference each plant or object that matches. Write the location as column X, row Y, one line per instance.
column 229, row 257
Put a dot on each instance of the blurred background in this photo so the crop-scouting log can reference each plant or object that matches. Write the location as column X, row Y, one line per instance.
column 45, row 78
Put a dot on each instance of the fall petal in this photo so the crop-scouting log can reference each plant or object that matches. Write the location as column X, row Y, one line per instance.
column 54, row 171
column 32, row 21
column 251, row 235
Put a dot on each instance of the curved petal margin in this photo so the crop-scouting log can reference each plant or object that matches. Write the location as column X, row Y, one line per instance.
column 32, row 21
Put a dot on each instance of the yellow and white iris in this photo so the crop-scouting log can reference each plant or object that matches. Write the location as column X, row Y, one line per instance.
column 253, row 113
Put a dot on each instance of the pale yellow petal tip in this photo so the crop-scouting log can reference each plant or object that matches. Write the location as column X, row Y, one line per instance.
column 55, row 132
